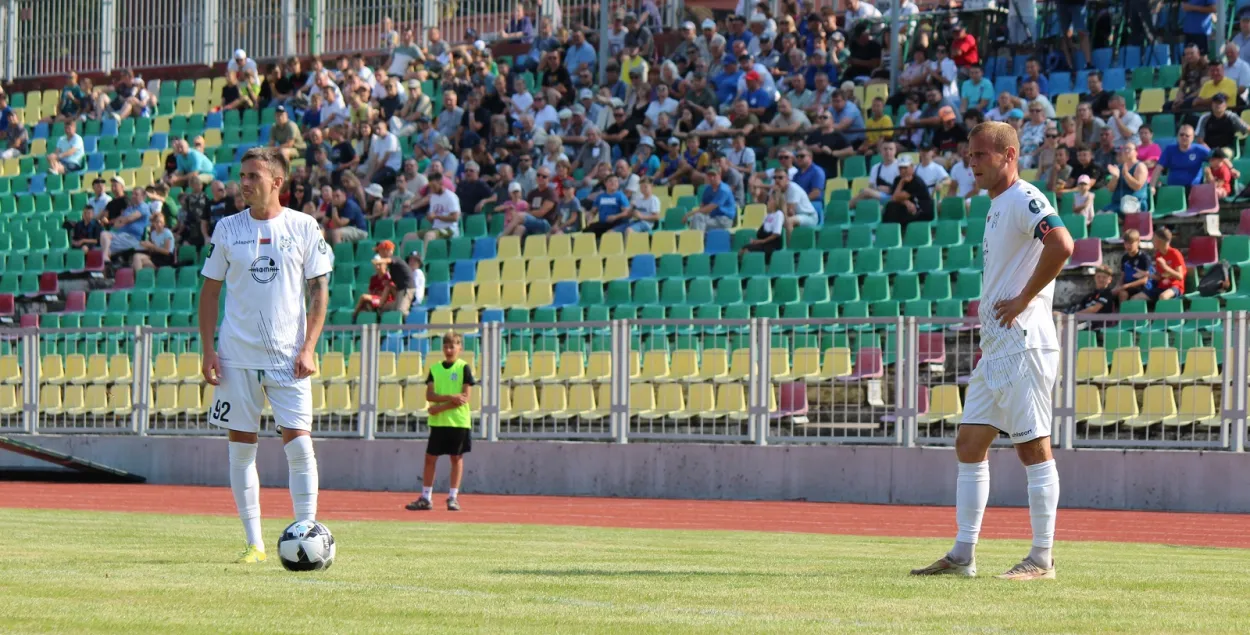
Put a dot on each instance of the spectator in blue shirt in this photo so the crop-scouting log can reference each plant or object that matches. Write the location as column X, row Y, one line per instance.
column 1183, row 160
column 718, row 209
column 127, row 230
column 521, row 29
column 5, row 111
column 580, row 52
column 816, row 64
column 1197, row 21
column 612, row 206
column 727, row 81
column 847, row 119
column 759, row 101
column 192, row 164
column 347, row 221
column 810, row 177
column 70, row 154
column 543, row 44
column 1033, row 73
column 738, row 31
column 976, row 91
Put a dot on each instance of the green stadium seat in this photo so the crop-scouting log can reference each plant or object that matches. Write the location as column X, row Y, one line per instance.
column 810, row 263
column 906, row 287
column 928, row 259
column 874, row 287
column 838, row 261
column 1105, row 227
column 918, row 234
column 753, row 265
column 859, row 237
column 897, row 261
column 967, row 287
column 782, row 264
column 951, row 208
column 1169, row 200
column 948, row 233
column 888, row 236
column 937, row 287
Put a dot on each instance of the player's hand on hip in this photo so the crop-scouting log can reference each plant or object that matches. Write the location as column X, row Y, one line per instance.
column 210, row 367
column 1008, row 310
column 305, row 365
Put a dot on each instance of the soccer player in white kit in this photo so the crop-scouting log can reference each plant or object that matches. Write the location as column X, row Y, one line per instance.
column 266, row 256
column 1025, row 248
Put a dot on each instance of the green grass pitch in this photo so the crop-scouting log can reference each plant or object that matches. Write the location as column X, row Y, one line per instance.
column 96, row 572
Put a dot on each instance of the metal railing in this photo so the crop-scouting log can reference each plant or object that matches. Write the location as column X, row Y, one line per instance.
column 1150, row 380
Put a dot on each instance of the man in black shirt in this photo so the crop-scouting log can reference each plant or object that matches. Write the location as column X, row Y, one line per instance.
column 115, row 208
column 1101, row 300
column 865, row 54
column 342, row 153
column 1085, row 166
column 472, row 189
column 911, row 200
column 1218, row 129
column 222, row 206
column 86, row 232
column 1136, row 268
column 620, row 132
column 948, row 135
column 1098, row 99
column 827, row 145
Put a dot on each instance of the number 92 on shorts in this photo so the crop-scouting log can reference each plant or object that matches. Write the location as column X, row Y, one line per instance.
column 238, row 401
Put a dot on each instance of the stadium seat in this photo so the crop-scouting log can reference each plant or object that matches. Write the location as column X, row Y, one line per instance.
column 1197, row 407
column 1119, row 404
column 1158, row 406
column 945, row 404
column 10, row 372
column 1201, row 366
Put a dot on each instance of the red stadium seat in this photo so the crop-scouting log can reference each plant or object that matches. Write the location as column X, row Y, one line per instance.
column 792, row 400
column 125, row 278
column 1087, row 252
column 1142, row 222
column 49, row 284
column 95, row 260
column 7, row 305
column 1202, row 200
column 29, row 320
column 869, row 364
column 1244, row 226
column 75, row 302
column 932, row 349
column 1203, row 250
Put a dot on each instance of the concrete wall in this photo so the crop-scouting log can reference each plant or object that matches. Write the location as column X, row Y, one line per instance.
column 1105, row 479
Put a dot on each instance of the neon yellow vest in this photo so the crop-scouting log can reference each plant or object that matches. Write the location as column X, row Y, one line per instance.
column 450, row 381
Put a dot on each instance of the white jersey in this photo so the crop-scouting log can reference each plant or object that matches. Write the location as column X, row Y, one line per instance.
column 1011, row 256
column 265, row 265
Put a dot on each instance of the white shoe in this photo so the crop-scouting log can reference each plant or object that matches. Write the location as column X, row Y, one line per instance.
column 1027, row 570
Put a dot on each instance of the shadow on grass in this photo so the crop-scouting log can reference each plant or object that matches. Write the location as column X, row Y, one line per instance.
column 588, row 573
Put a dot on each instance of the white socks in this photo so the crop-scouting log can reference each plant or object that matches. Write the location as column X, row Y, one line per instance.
column 972, row 494
column 427, row 492
column 302, row 465
column 245, row 485
column 453, row 492
column 1043, row 504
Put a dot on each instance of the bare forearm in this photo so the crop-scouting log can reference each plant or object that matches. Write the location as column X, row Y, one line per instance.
column 318, row 300
column 210, row 295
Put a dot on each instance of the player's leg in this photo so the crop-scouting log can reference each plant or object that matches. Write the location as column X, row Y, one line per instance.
column 236, row 407
column 1032, row 397
column 457, row 473
column 291, row 400
column 427, row 479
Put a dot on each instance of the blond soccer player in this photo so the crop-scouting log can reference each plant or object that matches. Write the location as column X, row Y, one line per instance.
column 1025, row 248
column 266, row 257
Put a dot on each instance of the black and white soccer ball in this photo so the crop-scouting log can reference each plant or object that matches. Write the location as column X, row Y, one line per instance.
column 306, row 545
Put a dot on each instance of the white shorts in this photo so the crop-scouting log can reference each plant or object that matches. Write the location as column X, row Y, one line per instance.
column 808, row 220
column 238, row 401
column 1013, row 394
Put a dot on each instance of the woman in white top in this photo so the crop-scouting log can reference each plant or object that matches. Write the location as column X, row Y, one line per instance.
column 553, row 153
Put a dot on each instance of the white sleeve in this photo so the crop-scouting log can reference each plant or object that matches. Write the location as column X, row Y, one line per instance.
column 318, row 259
column 216, row 265
column 1032, row 209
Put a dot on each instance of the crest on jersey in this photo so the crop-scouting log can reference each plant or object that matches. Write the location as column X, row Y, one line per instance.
column 322, row 247
column 264, row 269
column 286, row 243
column 1035, row 206
column 454, row 376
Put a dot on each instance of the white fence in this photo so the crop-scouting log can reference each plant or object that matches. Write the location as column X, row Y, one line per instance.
column 1149, row 381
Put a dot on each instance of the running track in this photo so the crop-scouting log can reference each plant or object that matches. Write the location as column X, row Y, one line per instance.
column 1211, row 530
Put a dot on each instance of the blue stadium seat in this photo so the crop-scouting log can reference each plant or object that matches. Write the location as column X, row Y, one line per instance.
column 40, row 131
column 264, row 133
column 717, row 241
column 1080, row 60
column 1082, row 82
column 641, row 267
column 1130, row 56
column 158, row 141
column 221, row 171
column 464, row 271
column 1114, row 80
column 1102, row 58
column 1158, row 55
column 998, row 67
column 38, row 183
column 1017, row 63
column 484, row 249
column 438, row 294
column 108, row 128
column 89, row 144
column 417, row 316
column 213, row 120
column 1005, row 84
column 1060, row 83
column 95, row 162
column 492, row 315
column 565, row 293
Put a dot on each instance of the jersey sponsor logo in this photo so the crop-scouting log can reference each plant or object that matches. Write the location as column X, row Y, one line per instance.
column 264, row 269
column 1035, row 206
column 243, row 242
column 1022, row 434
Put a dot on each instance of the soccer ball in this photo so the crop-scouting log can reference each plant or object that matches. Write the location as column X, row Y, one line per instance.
column 306, row 545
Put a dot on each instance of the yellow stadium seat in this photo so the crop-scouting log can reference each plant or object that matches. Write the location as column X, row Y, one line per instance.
column 1151, row 101
column 203, row 87
column 410, row 368
column 475, row 403
column 333, row 368
column 487, row 271
column 165, row 369
column 509, row 249
column 944, row 405
column 564, row 268
column 806, row 366
column 512, row 295
column 615, row 267
column 584, row 245
column 189, row 367
column 38, row 147
column 1201, row 366
column 1088, row 402
column 589, row 268
column 1158, row 406
column 582, row 402
column 683, row 366
column 753, row 215
column 189, row 401
column 669, row 401
column 119, row 401
column 873, row 91
column 713, row 364
column 463, row 294
column 538, row 268
column 662, row 243
column 1065, row 105
column 553, row 401
column 97, row 370
column 739, row 366
column 10, row 372
column 12, row 167
column 1091, row 364
column 1029, row 174
column 205, row 106
column 1119, row 403
column 862, row 183
column 466, row 316
column 700, row 402
column 831, row 185
column 353, row 369
column 612, row 244
column 543, row 366
column 52, row 369
column 9, row 404
column 390, row 399
column 183, row 106
column 75, row 401
column 837, row 363
column 490, row 294
column 654, row 366
column 641, row 399
column 212, row 138
column 152, row 159
column 34, row 99
column 778, row 363
column 598, row 367
column 857, row 94
column 559, row 246
column 442, row 315
column 516, row 368
column 535, row 246
column 413, row 403
column 540, row 294
column 1197, row 407
column 1125, row 365
column 161, row 124
column 166, row 404
column 1164, row 364
column 342, row 400
column 386, row 368
column 682, row 190
column 572, row 368
column 1245, row 116
column 49, row 399
column 637, row 244
column 731, row 401
column 524, row 402
column 76, row 368
column 690, row 243
column 512, row 271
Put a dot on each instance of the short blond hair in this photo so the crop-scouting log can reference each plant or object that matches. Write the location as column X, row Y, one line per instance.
column 454, row 337
column 1002, row 135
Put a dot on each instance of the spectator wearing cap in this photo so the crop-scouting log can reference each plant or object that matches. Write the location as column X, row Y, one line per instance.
column 947, row 137
column 644, row 162
column 1218, row 128
column 963, row 47
column 768, row 55
column 688, row 49
column 375, row 203
column 639, row 38
column 910, row 200
column 417, row 105
column 238, row 64
column 757, row 26
column 285, row 135
column 727, row 81
column 579, row 54
column 760, row 102
column 709, row 40
column 1183, row 161
column 717, row 209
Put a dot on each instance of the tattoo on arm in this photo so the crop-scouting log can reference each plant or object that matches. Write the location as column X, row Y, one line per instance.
column 318, row 291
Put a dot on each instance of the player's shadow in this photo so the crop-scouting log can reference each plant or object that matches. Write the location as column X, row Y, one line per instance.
column 575, row 573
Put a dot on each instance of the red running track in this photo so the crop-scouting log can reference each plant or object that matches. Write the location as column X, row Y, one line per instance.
column 1209, row 530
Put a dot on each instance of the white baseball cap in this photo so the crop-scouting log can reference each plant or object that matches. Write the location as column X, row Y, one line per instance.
column 240, row 54
column 709, row 24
